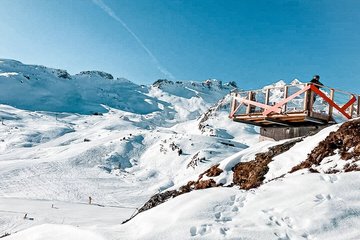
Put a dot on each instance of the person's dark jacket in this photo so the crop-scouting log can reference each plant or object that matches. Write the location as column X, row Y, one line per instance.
column 315, row 81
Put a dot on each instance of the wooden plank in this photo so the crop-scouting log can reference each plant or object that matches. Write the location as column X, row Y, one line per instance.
column 314, row 120
column 247, row 122
column 233, row 106
column 351, row 110
column 285, row 116
column 286, row 91
column 249, row 105
column 306, row 99
column 276, row 121
column 331, row 108
column 267, row 95
column 257, row 104
column 349, row 103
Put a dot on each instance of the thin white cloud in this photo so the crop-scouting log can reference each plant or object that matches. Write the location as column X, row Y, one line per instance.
column 112, row 14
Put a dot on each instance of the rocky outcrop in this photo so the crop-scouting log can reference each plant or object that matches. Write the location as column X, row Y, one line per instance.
column 61, row 73
column 344, row 142
column 99, row 73
column 251, row 174
column 223, row 103
column 160, row 82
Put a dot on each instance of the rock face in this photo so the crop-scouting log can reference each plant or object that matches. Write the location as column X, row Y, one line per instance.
column 251, row 174
column 99, row 73
column 214, row 171
column 158, row 83
column 345, row 142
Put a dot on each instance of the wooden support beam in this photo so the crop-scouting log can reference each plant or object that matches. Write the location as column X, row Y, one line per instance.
column 248, row 122
column 233, row 106
column 276, row 121
column 257, row 104
column 349, row 103
column 286, row 91
column 351, row 110
column 332, row 93
column 314, row 120
column 277, row 107
column 236, row 109
column 267, row 95
column 250, row 94
column 341, row 110
column 306, row 99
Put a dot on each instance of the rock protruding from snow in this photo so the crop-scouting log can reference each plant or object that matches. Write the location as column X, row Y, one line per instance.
column 251, row 174
column 97, row 73
column 343, row 143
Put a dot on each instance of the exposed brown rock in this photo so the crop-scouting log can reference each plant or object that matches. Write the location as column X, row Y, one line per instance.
column 251, row 174
column 154, row 201
column 214, row 171
column 351, row 167
column 345, row 141
column 202, row 184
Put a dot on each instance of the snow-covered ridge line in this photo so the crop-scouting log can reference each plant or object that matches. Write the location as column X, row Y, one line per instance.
column 55, row 90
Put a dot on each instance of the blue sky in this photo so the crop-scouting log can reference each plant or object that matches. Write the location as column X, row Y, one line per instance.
column 250, row 42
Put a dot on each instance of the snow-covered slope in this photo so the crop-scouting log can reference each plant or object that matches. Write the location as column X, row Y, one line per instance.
column 39, row 88
column 65, row 138
column 321, row 202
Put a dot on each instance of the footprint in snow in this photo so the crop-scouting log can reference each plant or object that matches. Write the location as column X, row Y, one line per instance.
column 319, row 198
column 222, row 217
column 283, row 225
column 202, row 230
column 329, row 178
column 223, row 230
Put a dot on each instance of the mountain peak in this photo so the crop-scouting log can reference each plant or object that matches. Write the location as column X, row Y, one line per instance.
column 97, row 73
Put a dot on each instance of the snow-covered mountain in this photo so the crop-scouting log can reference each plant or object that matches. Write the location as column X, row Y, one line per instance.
column 68, row 140
column 39, row 88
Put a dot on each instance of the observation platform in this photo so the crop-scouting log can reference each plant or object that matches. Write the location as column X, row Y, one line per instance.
column 291, row 106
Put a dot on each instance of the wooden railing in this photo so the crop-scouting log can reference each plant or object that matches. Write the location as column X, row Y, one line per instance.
column 310, row 99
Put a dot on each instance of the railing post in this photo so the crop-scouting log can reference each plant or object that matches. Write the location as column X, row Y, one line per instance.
column 332, row 93
column 358, row 106
column 233, row 106
column 306, row 100
column 267, row 95
column 249, row 105
column 286, row 90
column 351, row 110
